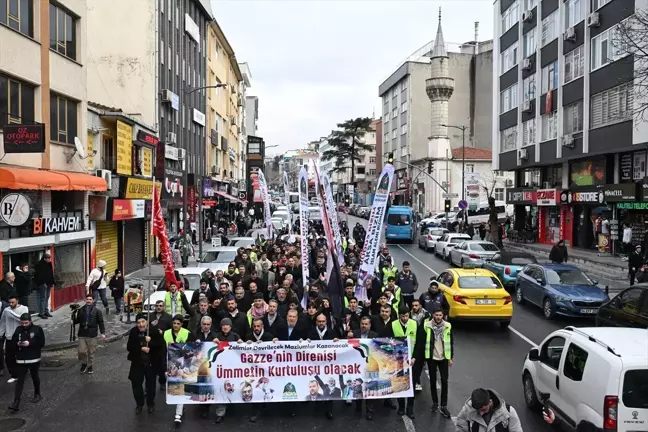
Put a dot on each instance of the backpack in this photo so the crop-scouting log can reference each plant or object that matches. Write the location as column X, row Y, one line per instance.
column 474, row 426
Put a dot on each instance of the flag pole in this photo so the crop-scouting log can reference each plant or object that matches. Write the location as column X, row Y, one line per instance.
column 149, row 259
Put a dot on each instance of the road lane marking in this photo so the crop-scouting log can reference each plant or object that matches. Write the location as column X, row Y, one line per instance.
column 518, row 333
column 409, row 424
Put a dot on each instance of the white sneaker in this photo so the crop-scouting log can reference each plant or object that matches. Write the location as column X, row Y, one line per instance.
column 12, row 380
column 178, row 419
column 418, row 387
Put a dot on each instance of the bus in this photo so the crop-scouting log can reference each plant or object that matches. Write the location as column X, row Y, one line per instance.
column 481, row 213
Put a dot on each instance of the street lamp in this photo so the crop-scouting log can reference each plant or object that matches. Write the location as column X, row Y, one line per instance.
column 463, row 157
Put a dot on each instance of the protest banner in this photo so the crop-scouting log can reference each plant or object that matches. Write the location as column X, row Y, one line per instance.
column 231, row 372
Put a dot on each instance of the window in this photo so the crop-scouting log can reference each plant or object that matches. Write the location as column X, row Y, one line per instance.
column 596, row 4
column 469, row 168
column 612, row 106
column 403, row 129
column 16, row 102
column 404, row 85
column 508, row 99
column 573, row 119
column 498, row 194
column 372, row 171
column 551, row 352
column 530, row 4
column 635, row 389
column 372, row 159
column 404, row 107
column 162, row 50
column 529, row 132
column 108, row 156
column 510, row 17
column 550, row 30
column 574, row 64
column 394, row 112
column 549, row 123
column 509, row 58
column 530, row 42
column 18, row 15
column 575, row 363
column 508, row 139
column 528, row 88
column 574, row 12
column 550, row 77
column 386, row 139
column 394, row 133
column 62, row 32
column 629, row 301
column 605, row 48
column 63, row 119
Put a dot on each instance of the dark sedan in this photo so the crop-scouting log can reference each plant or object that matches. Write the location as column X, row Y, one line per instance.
column 628, row 309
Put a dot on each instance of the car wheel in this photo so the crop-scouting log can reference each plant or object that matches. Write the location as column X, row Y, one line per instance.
column 519, row 295
column 548, row 309
column 504, row 325
column 530, row 396
column 448, row 258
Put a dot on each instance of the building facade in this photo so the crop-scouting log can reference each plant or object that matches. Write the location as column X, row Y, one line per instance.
column 241, row 102
column 564, row 95
column 44, row 178
column 251, row 114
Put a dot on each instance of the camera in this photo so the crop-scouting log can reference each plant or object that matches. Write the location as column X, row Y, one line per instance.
column 74, row 307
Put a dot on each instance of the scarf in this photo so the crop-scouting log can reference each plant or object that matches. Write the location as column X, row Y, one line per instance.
column 259, row 312
column 438, row 330
column 259, row 336
column 321, row 333
column 271, row 319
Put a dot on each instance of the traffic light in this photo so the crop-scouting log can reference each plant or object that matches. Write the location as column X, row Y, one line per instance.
column 390, row 158
column 347, row 201
column 447, row 205
column 430, row 167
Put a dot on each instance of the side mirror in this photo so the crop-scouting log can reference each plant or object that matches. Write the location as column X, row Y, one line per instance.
column 534, row 355
column 595, row 282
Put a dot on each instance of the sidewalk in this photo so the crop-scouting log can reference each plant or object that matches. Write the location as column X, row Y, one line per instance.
column 609, row 271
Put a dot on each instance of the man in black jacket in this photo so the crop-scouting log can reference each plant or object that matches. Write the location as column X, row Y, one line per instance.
column 91, row 325
column 23, row 283
column 159, row 319
column 8, row 287
column 379, row 322
column 30, row 340
column 204, row 289
column 44, row 280
column 434, row 298
column 145, row 350
column 321, row 332
column 635, row 261
column 239, row 321
column 205, row 332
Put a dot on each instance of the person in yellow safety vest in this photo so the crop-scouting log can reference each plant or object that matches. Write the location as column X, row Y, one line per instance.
column 395, row 298
column 388, row 271
column 175, row 302
column 345, row 244
column 435, row 347
column 177, row 334
column 403, row 328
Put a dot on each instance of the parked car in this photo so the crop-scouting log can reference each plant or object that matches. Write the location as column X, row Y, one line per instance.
column 473, row 251
column 244, row 242
column 191, row 277
column 448, row 241
column 364, row 212
column 506, row 265
column 628, row 309
column 593, row 376
column 221, row 254
column 427, row 240
column 559, row 289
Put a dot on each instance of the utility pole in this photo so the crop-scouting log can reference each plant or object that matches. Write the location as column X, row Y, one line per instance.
column 463, row 161
column 447, row 182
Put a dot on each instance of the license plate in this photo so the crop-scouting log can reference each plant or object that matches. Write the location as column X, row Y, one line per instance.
column 589, row 311
column 485, row 302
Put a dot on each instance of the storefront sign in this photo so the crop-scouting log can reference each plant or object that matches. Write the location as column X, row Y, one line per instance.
column 639, row 165
column 15, row 209
column 632, row 205
column 625, row 163
column 547, row 197
column 124, row 148
column 519, row 196
column 588, row 172
column 97, row 207
column 122, row 209
column 584, row 197
column 620, row 192
column 56, row 225
column 147, row 162
column 147, row 138
column 208, row 190
column 191, row 204
column 198, row 117
column 173, row 187
column 24, row 138
column 136, row 188
column 644, row 192
column 171, row 152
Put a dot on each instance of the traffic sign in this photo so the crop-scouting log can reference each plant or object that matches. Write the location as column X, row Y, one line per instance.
column 463, row 204
column 450, row 195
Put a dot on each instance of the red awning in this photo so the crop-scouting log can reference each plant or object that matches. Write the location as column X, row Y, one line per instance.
column 228, row 197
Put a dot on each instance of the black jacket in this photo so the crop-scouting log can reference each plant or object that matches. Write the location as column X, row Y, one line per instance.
column 162, row 323
column 95, row 322
column 378, row 325
column 116, row 285
column 329, row 335
column 357, row 333
column 230, row 337
column 7, row 290
column 44, row 273
column 634, row 260
column 201, row 337
column 266, row 337
column 23, row 283
column 558, row 254
column 36, row 338
column 135, row 343
column 240, row 324
column 431, row 301
column 278, row 327
column 298, row 333
column 210, row 293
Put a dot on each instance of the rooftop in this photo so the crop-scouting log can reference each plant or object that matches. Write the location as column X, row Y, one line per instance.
column 472, row 153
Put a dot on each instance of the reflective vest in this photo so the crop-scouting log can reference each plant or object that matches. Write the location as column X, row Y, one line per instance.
column 397, row 297
column 181, row 337
column 253, row 256
column 168, row 303
column 344, row 244
column 249, row 318
column 410, row 331
column 447, row 352
column 387, row 272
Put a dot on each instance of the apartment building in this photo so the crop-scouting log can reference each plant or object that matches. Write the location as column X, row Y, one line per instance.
column 251, row 114
column 564, row 95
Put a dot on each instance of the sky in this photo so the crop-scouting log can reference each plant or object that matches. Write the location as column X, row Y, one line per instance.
column 317, row 63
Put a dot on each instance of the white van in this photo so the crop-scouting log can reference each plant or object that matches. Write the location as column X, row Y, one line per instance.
column 592, row 375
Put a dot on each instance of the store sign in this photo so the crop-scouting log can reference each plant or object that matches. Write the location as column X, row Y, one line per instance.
column 56, row 225
column 625, row 163
column 136, row 188
column 97, row 207
column 147, row 138
column 147, row 162
column 173, row 187
column 191, row 204
column 632, row 205
column 192, row 29
column 171, row 152
column 585, row 197
column 624, row 192
column 124, row 148
column 15, row 209
column 546, row 197
column 24, row 138
column 127, row 209
column 208, row 190
column 519, row 196
column 198, row 117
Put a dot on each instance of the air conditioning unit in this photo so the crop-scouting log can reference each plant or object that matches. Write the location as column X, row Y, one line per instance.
column 233, row 120
column 215, row 170
column 171, row 138
column 527, row 16
column 526, row 106
column 526, row 64
column 166, row 95
column 182, row 154
column 233, row 89
column 239, row 101
column 509, row 183
column 594, row 20
column 106, row 175
column 568, row 141
column 523, row 154
column 570, row 34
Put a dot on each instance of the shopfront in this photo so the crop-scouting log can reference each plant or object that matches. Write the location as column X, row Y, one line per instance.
column 105, row 245
column 209, row 205
column 172, row 199
column 583, row 205
column 549, row 216
column 630, row 202
column 525, row 207
column 129, row 216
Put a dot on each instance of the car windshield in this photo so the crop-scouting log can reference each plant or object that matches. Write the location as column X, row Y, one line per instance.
column 193, row 280
column 398, row 219
column 483, row 247
column 567, row 277
column 218, row 256
column 635, row 389
column 437, row 232
column 479, row 282
column 242, row 242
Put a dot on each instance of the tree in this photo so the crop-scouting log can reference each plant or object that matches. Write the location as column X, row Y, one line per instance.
column 347, row 143
column 488, row 182
column 630, row 36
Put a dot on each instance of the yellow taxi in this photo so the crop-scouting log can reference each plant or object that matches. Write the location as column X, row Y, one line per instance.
column 475, row 294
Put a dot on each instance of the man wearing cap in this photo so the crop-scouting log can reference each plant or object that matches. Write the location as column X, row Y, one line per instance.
column 30, row 340
column 44, row 280
column 96, row 284
column 145, row 349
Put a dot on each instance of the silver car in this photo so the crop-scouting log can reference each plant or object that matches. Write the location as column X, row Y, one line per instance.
column 427, row 240
column 448, row 241
column 473, row 252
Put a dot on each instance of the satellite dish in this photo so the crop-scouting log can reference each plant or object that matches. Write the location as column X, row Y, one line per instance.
column 79, row 148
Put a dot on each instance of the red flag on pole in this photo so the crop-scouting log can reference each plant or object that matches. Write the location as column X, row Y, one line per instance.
column 160, row 231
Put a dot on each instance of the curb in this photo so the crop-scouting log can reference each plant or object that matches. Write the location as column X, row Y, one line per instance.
column 67, row 345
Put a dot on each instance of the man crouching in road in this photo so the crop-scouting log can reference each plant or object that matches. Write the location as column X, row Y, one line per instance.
column 487, row 411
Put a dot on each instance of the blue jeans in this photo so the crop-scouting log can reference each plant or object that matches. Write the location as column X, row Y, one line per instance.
column 119, row 304
column 100, row 292
column 43, row 295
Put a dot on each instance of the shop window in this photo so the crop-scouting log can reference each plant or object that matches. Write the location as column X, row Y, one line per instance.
column 68, row 268
column 63, row 202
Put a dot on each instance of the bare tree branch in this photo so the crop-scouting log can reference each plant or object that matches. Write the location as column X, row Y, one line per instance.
column 630, row 38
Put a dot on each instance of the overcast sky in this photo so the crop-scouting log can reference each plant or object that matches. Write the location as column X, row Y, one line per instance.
column 317, row 63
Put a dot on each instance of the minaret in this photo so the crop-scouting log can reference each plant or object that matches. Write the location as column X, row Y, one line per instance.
column 439, row 88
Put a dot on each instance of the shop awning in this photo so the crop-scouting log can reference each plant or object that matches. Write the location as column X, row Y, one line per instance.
column 228, row 197
column 35, row 179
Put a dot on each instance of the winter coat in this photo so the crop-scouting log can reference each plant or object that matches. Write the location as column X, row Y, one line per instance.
column 95, row 322
column 558, row 254
column 7, row 290
column 23, row 282
column 36, row 338
column 503, row 416
column 44, row 273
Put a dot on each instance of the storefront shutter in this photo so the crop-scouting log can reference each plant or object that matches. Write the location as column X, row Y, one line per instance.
column 133, row 245
column 106, row 245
